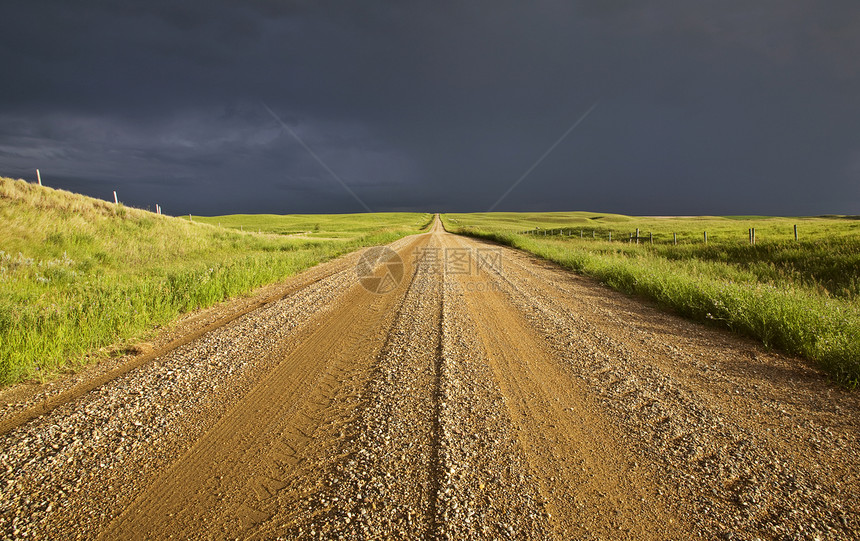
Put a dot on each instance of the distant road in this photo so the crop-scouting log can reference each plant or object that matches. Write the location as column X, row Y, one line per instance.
column 485, row 394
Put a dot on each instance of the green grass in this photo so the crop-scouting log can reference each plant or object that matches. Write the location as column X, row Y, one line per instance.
column 798, row 296
column 79, row 274
column 326, row 226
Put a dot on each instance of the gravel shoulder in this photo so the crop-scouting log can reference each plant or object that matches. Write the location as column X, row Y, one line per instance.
column 515, row 400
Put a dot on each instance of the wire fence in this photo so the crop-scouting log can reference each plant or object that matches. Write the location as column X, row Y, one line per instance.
column 637, row 236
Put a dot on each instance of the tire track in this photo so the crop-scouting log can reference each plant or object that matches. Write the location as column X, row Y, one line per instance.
column 591, row 485
column 489, row 489
column 226, row 462
column 380, row 481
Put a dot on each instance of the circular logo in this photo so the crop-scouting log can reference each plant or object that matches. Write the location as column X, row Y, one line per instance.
column 385, row 279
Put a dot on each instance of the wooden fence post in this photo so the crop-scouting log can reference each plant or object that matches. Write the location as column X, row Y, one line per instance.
column 637, row 235
column 650, row 237
column 115, row 200
column 706, row 237
column 795, row 232
column 675, row 239
column 39, row 177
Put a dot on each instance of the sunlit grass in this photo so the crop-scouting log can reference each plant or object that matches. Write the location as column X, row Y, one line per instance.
column 78, row 274
column 799, row 296
column 312, row 225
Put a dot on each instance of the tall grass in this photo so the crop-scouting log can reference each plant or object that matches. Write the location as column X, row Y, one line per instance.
column 78, row 274
column 798, row 297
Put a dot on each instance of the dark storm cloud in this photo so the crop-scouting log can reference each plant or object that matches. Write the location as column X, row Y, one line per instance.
column 703, row 107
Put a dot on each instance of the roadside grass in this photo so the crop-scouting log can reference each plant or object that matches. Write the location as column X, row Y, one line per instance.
column 79, row 274
column 800, row 297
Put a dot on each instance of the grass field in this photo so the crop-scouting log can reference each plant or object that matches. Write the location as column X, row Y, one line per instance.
column 800, row 296
column 79, row 274
column 322, row 226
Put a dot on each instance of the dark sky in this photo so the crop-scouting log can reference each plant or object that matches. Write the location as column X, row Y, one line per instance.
column 703, row 107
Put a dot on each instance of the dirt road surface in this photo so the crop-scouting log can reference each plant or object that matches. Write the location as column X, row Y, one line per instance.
column 487, row 395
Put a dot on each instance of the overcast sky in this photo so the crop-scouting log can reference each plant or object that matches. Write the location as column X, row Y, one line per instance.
column 702, row 107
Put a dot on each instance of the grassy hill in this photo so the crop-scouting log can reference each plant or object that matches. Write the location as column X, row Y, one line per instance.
column 78, row 274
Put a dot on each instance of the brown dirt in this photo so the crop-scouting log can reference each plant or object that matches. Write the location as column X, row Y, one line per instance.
column 510, row 399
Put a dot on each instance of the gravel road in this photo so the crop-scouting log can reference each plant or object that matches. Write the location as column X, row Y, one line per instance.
column 489, row 395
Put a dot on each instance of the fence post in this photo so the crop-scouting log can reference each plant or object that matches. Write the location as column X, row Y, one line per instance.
column 580, row 233
column 753, row 234
column 650, row 237
column 115, row 200
column 706, row 237
column 795, row 232
column 675, row 239
column 39, row 177
column 637, row 235
column 593, row 234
